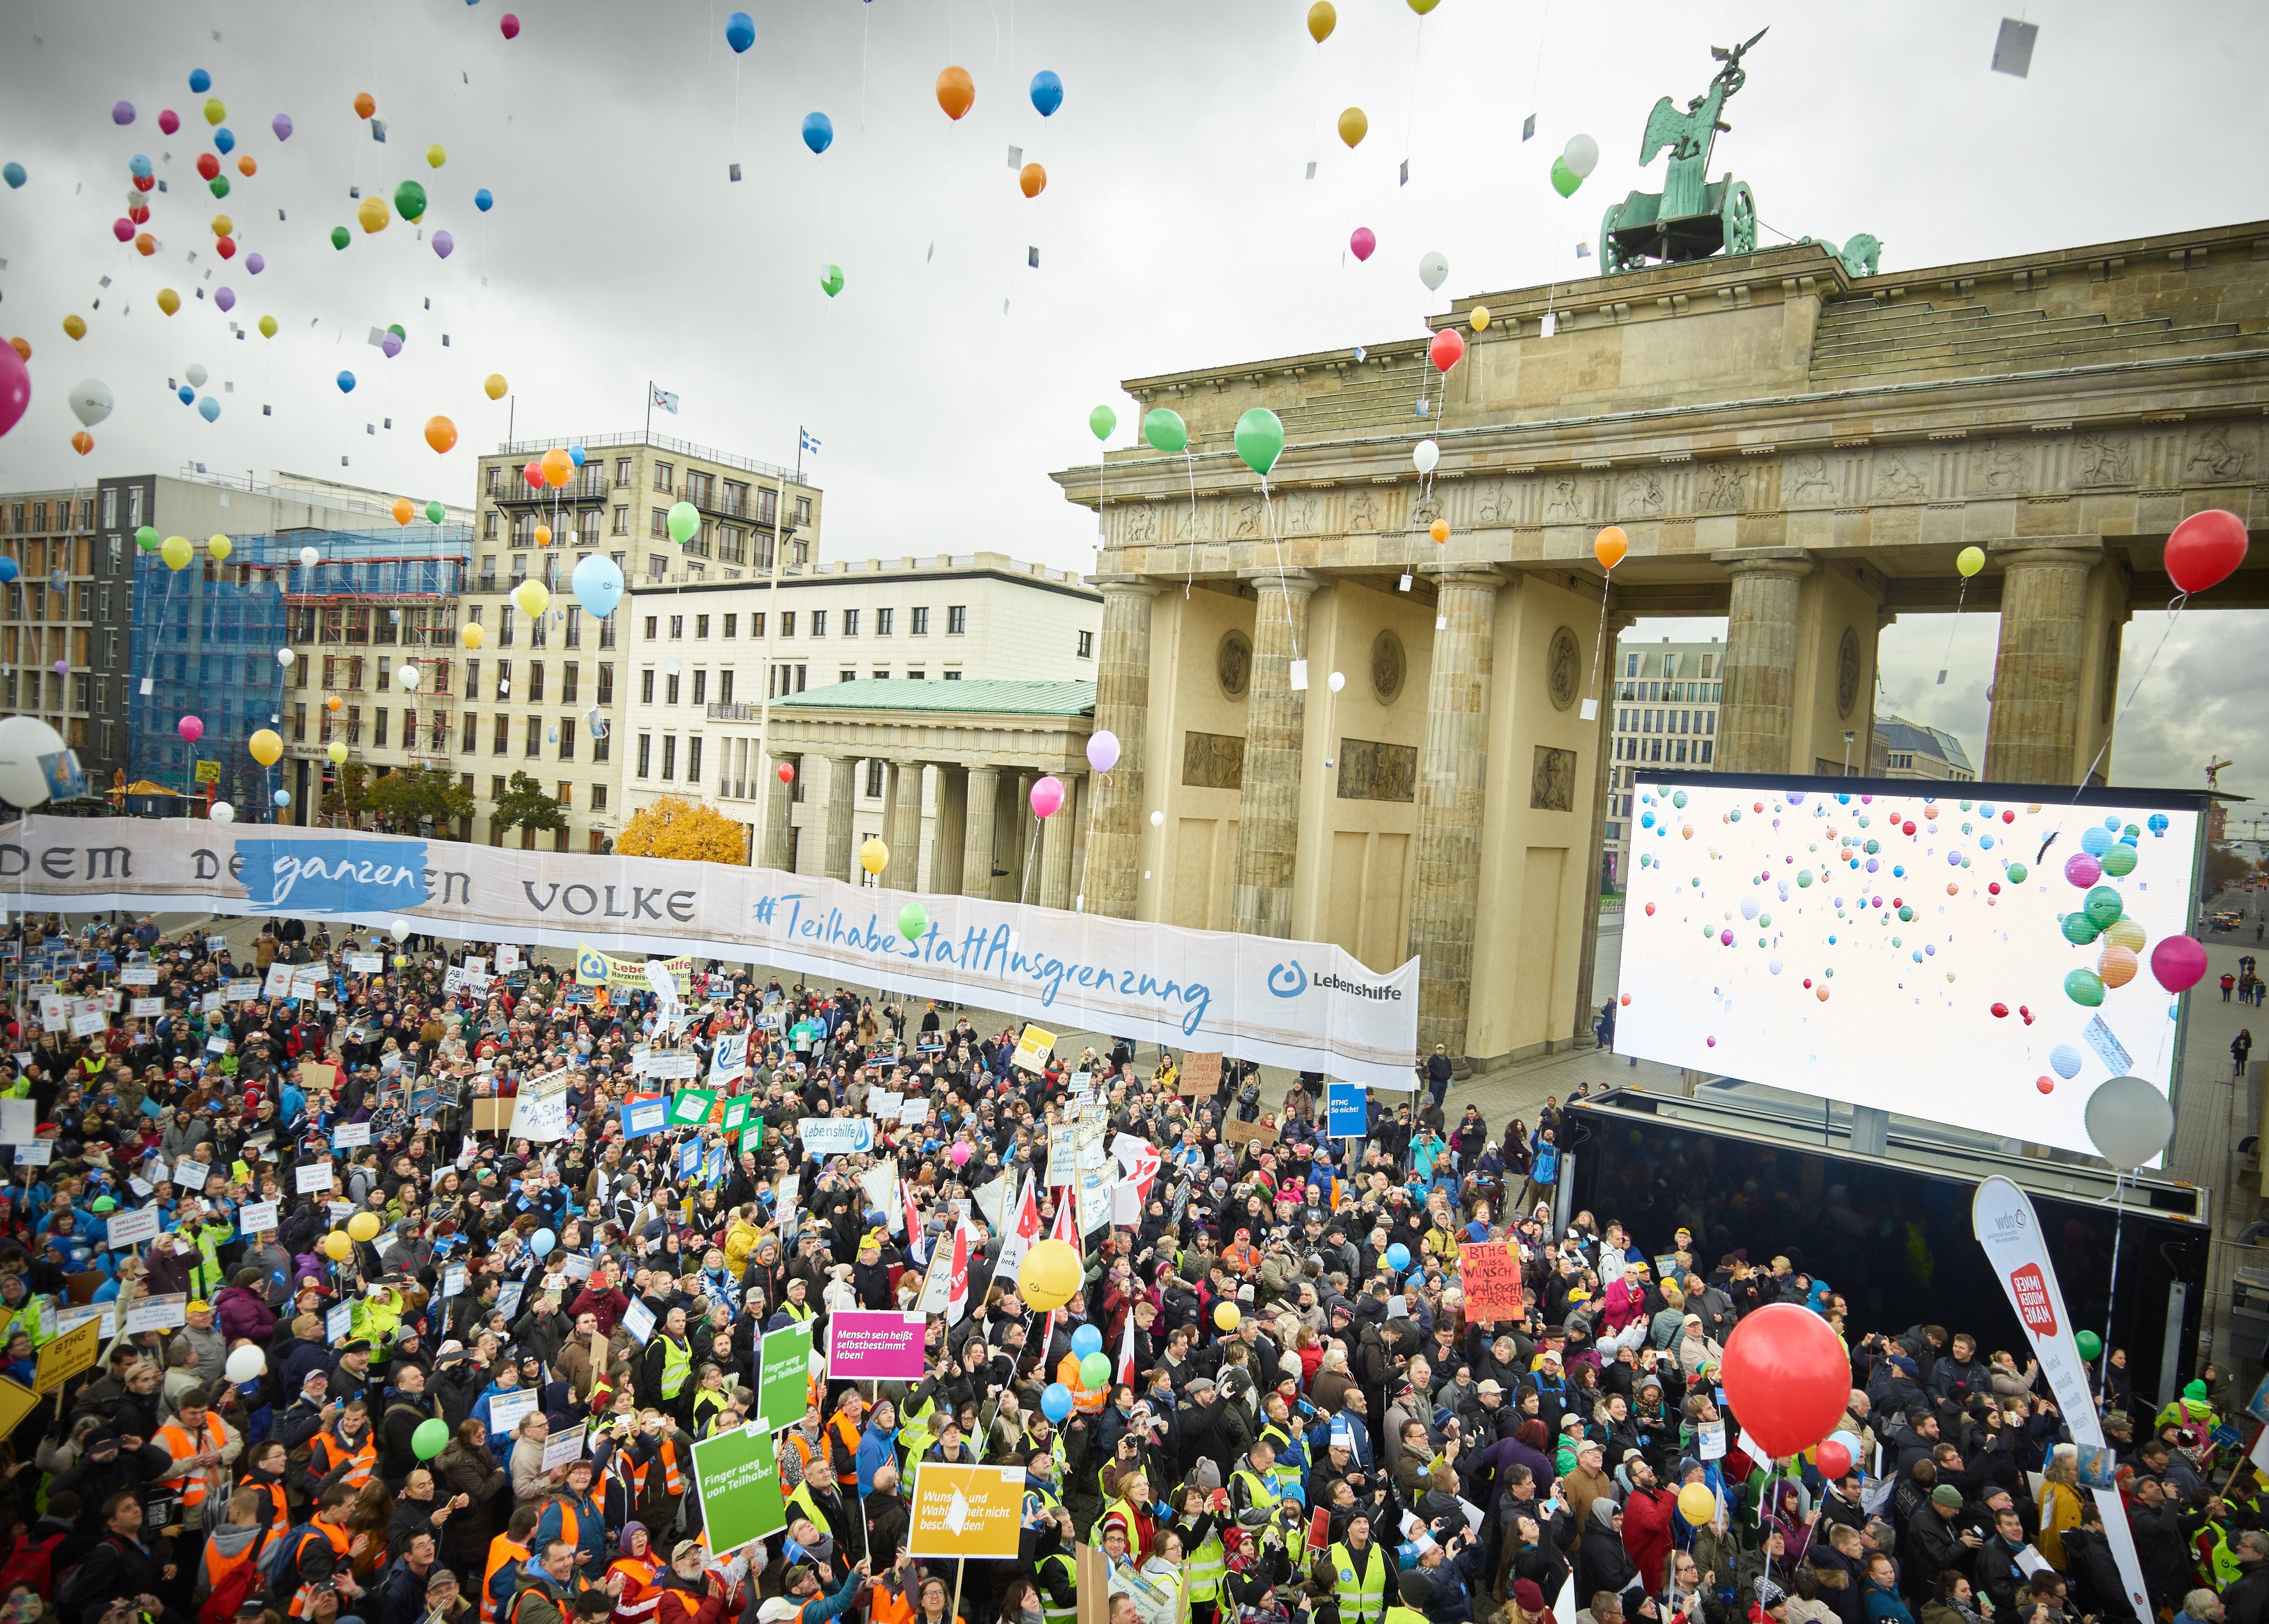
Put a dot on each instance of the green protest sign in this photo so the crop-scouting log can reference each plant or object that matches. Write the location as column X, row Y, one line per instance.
column 691, row 1107
column 737, row 1476
column 783, row 1370
column 737, row 1113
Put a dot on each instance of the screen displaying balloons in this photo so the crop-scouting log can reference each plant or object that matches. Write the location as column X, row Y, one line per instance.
column 1984, row 932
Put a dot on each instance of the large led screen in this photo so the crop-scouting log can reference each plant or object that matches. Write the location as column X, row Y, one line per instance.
column 1968, row 957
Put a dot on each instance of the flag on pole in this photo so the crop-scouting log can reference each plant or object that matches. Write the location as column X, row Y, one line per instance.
column 1127, row 1354
column 1023, row 1228
column 664, row 399
column 957, row 1290
column 806, row 440
column 913, row 1221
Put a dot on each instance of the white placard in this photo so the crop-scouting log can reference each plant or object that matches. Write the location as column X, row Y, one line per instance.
column 159, row 1173
column 314, row 1175
column 131, row 1228
column 308, row 979
column 208, row 1002
column 477, row 964
column 169, row 1312
column 88, row 1025
column 365, row 964
column 39, row 1153
column 561, row 1448
column 575, row 1265
column 278, row 984
column 637, row 1319
column 216, row 1046
column 453, row 1279
column 338, row 1320
column 507, row 1408
column 242, row 990
column 142, row 1187
column 256, row 1217
column 507, row 958
column 138, row 975
column 71, row 1318
column 143, row 1008
column 539, row 1111
column 350, row 1134
column 20, row 1121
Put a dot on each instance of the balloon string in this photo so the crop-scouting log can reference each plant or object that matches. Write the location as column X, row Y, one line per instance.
column 2173, row 612
column 1283, row 586
column 1600, row 638
column 1190, row 557
column 1418, row 50
column 1960, row 596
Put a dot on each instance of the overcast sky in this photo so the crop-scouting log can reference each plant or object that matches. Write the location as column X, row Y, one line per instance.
column 1177, row 229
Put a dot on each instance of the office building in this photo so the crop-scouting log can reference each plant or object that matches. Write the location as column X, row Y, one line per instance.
column 1665, row 697
column 1905, row 749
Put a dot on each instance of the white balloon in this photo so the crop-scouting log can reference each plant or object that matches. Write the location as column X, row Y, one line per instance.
column 1433, row 270
column 245, row 1364
column 408, row 677
column 1425, row 454
column 2129, row 1122
column 23, row 774
column 90, row 402
column 284, row 657
column 197, row 376
column 1337, row 681
column 221, row 813
column 1157, row 819
column 401, row 929
column 309, row 557
column 1581, row 155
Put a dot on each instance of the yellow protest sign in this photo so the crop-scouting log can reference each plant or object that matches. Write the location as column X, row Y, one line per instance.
column 1032, row 1049
column 594, row 968
column 208, row 773
column 965, row 1510
column 67, row 1354
column 16, row 1402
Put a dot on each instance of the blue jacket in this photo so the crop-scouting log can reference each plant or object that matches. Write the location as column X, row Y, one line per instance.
column 874, row 1449
column 1884, row 1605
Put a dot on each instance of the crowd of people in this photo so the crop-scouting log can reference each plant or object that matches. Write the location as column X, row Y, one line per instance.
column 341, row 1405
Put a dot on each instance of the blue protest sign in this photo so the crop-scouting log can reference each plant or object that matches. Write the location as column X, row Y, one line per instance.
column 1347, row 1111
column 641, row 1117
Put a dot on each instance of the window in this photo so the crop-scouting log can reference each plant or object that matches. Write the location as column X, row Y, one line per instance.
column 598, row 797
column 496, row 786
column 730, row 622
column 1704, row 748
column 646, row 684
column 700, row 627
column 846, row 677
column 677, row 628
column 574, row 638
column 600, row 744
column 658, row 527
column 472, row 677
column 788, row 623
column 535, row 694
column 504, row 625
column 664, row 473
column 669, row 688
column 501, row 740
column 504, row 679
column 622, row 525
column 953, row 674
column 606, row 682
column 756, row 625
column 109, row 508
column 567, row 682
column 1630, row 665
column 471, row 740
column 644, row 753
column 920, row 628
column 669, row 756
column 803, row 510
column 725, row 687
column 566, row 795
column 693, row 758
column 850, row 622
column 882, row 676
column 820, row 622
column 566, row 749
column 700, row 686
column 883, row 622
column 873, row 780
column 956, row 619
column 653, row 627
column 621, row 470
column 378, row 729
column 1087, row 645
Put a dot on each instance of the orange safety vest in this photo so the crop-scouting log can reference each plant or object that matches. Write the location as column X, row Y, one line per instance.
column 501, row 1551
column 339, row 1543
column 279, row 1519
column 328, row 1455
column 886, row 1605
column 192, row 1486
column 801, row 1445
column 846, row 1433
column 218, row 1568
column 639, row 1599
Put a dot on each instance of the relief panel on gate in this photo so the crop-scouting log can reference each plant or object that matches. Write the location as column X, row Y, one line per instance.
column 2218, row 454
column 2100, row 458
column 1997, row 468
column 1723, row 487
column 1567, row 498
column 1810, row 479
column 1641, row 494
column 1372, row 770
column 1213, row 761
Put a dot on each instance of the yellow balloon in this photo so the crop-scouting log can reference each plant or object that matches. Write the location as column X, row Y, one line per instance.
column 168, row 301
column 1423, row 6
column 363, row 1227
column 532, row 596
column 266, row 747
column 222, row 225
column 216, row 110
column 337, row 1247
column 1048, row 1275
column 75, row 326
column 1696, row 1504
column 268, row 327
column 1322, row 18
column 374, row 214
column 1226, row 1316
column 1969, row 560
column 874, row 856
column 337, row 751
column 219, row 547
column 435, row 156
column 495, row 386
column 1354, row 126
column 1480, row 318
column 176, row 552
column 471, row 635
column 2124, row 934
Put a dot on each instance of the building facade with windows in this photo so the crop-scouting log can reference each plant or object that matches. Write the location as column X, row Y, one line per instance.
column 702, row 657
column 1665, row 697
column 546, row 697
column 1905, row 749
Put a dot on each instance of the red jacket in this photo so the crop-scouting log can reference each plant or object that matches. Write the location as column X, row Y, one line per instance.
column 1646, row 1532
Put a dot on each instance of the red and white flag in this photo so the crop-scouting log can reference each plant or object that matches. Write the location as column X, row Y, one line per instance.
column 1125, row 1377
column 1146, row 1171
column 914, row 1220
column 957, row 1289
column 1023, row 1229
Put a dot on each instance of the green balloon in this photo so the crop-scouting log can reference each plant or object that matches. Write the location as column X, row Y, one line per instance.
column 914, row 921
column 684, row 523
column 832, row 283
column 1165, row 431
column 2119, row 859
column 220, row 185
column 435, row 511
column 1261, row 440
column 1101, row 421
column 1564, row 180
column 2104, row 906
column 399, row 331
column 2084, row 987
column 1095, row 1371
column 2091, row 1346
column 430, row 1438
column 339, row 237
column 2016, row 872
column 147, row 539
column 409, row 200
column 2080, row 930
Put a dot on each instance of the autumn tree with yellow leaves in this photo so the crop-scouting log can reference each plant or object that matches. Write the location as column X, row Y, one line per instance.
column 673, row 827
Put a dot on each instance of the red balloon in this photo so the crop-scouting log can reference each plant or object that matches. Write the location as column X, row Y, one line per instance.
column 1788, row 1377
column 208, row 165
column 225, row 246
column 144, row 182
column 2205, row 549
column 534, row 474
column 787, row 773
column 1447, row 348
column 1835, row 1460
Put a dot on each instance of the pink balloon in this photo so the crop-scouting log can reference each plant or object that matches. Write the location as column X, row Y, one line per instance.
column 169, row 121
column 2083, row 870
column 1048, row 797
column 16, row 392
column 1103, row 749
column 510, row 26
column 1362, row 242
column 122, row 228
column 2178, row 961
column 190, row 727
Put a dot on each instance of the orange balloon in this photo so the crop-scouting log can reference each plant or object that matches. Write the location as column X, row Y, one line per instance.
column 1439, row 530
column 334, row 704
column 365, row 104
column 1609, row 546
column 145, row 245
column 403, row 511
column 1032, row 179
column 441, row 434
column 82, row 442
column 543, row 535
column 246, row 167
column 558, row 468
column 956, row 92
column 2118, row 966
column 22, row 347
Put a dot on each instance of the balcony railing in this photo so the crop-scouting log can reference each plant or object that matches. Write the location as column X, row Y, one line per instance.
column 735, row 710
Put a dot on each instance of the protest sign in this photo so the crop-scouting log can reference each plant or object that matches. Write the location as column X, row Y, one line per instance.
column 879, row 1345
column 637, row 1319
column 835, row 1136
column 690, row 1107
column 314, row 1176
column 69, row 1353
column 1236, row 1132
column 644, row 1114
column 1201, row 1075
column 167, row 1312
column 1348, row 1111
column 783, row 1365
column 348, row 1136
column 1032, row 1047
column 965, row 1510
column 540, row 1110
column 561, row 1448
column 257, row 1217
column 1491, row 1276
column 507, row 1408
column 131, row 1228
column 736, row 1475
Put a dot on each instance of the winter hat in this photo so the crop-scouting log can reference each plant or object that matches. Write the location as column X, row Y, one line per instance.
column 1946, row 1495
column 1528, row 1595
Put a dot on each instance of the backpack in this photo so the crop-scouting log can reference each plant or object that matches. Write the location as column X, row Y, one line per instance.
column 282, row 1559
column 31, row 1562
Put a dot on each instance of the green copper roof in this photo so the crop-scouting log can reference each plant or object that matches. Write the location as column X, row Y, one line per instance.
column 992, row 698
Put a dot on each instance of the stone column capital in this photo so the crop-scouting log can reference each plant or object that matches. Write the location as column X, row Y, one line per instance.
column 1787, row 563
column 1464, row 575
column 1129, row 585
column 1289, row 580
column 2081, row 552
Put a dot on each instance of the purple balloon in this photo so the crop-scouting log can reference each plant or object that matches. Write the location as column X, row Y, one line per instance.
column 121, row 113
column 1102, row 750
column 2083, row 870
column 225, row 299
column 254, row 263
column 62, row 668
column 444, row 244
column 392, row 345
column 282, row 125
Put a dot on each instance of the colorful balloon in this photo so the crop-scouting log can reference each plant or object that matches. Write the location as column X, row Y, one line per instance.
column 1968, row 561
column 1047, row 796
column 435, row 157
column 684, row 523
column 1696, row 1504
column 346, row 383
column 597, row 583
column 510, row 26
column 1433, row 270
column 1425, row 456
column 365, row 104
column 403, row 511
column 831, row 280
column 2178, row 961
column 1047, row 93
column 268, row 327
column 1163, row 429
column 1362, row 242
column 1322, row 18
column 374, row 215
column 558, row 469
column 1031, row 179
column 121, row 112
column 75, row 327
column 956, row 92
column 1581, row 155
column 1261, row 440
column 2204, row 549
column 176, row 552
column 819, row 132
column 874, row 855
column 215, row 110
column 1103, row 749
column 444, row 244
column 267, row 747
column 494, row 387
column 740, row 32
column 533, row 596
column 282, row 126
column 1478, row 318
column 484, row 200
column 1447, row 349
column 1564, row 180
column 339, row 237
column 1101, row 422
column 190, row 727
column 168, row 301
column 1610, row 546
column 1354, row 126
column 1787, row 1375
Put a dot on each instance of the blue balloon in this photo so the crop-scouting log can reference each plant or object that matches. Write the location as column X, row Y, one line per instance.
column 541, row 1242
column 818, row 131
column 598, row 585
column 2064, row 1059
column 740, row 32
column 1085, row 1340
column 283, row 797
column 209, row 409
column 1398, row 1257
column 200, row 81
column 2158, row 820
column 13, row 173
column 186, row 394
column 346, row 383
column 8, row 570
column 224, row 140
column 1055, row 1403
column 138, row 166
column 575, row 455
column 484, row 199
column 1047, row 92
column 2095, row 842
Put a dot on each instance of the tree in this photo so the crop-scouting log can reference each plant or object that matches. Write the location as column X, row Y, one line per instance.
column 349, row 795
column 527, row 804
column 416, row 795
column 684, row 828
column 2222, row 868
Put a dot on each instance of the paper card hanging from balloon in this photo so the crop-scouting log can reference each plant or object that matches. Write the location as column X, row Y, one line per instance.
column 2013, row 47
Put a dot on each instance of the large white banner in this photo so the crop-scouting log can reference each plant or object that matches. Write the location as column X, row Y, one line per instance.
column 2010, row 1231
column 1301, row 1004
